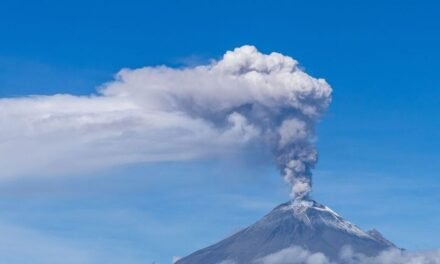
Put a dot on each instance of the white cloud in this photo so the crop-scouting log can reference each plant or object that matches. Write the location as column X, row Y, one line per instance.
column 393, row 256
column 294, row 255
column 298, row 255
column 161, row 114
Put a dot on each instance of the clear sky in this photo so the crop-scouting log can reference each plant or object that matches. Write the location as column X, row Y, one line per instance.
column 378, row 143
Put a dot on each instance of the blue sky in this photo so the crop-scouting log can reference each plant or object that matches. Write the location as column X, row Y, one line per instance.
column 378, row 142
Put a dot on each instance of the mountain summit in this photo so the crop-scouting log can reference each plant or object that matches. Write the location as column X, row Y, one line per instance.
column 305, row 223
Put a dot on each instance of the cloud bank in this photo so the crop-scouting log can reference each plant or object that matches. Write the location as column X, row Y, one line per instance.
column 298, row 255
column 294, row 255
column 165, row 114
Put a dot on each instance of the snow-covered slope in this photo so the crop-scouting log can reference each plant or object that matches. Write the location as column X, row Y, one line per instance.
column 306, row 224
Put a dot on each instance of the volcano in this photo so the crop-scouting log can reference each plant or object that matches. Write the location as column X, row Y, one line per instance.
column 305, row 224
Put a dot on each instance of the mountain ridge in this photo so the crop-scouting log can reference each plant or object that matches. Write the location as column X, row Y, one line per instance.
column 303, row 223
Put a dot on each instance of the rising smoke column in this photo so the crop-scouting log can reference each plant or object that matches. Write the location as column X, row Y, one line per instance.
column 293, row 112
column 292, row 104
column 163, row 114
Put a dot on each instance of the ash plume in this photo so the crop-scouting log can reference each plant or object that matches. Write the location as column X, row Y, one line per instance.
column 267, row 94
column 292, row 104
column 161, row 113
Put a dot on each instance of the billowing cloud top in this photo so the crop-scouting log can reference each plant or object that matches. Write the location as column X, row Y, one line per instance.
column 161, row 113
column 243, row 77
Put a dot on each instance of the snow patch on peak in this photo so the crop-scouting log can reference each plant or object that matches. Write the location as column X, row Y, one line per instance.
column 325, row 209
column 300, row 206
column 342, row 224
column 313, row 213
